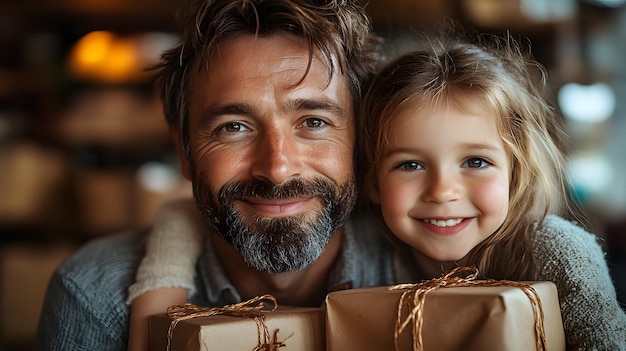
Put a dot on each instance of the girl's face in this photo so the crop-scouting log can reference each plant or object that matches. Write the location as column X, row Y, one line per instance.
column 444, row 179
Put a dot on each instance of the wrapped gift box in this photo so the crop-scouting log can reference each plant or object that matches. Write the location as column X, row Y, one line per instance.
column 300, row 328
column 454, row 318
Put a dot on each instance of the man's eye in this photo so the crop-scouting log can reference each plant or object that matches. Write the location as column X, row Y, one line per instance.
column 409, row 166
column 475, row 162
column 314, row 123
column 233, row 127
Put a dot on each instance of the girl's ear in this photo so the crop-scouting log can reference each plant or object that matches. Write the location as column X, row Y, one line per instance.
column 184, row 163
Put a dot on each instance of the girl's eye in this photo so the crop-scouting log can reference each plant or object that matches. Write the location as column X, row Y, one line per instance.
column 475, row 162
column 410, row 166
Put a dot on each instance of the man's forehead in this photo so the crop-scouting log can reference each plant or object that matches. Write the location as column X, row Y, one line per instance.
column 249, row 70
column 260, row 54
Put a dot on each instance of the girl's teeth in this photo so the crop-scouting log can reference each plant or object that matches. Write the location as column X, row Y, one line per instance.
column 443, row 223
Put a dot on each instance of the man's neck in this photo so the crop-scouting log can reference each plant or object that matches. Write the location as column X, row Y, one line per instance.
column 306, row 287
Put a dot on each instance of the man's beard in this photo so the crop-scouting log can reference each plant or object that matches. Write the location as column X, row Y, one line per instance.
column 282, row 244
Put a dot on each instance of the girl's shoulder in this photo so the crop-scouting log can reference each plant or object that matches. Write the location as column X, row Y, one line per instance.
column 559, row 234
column 573, row 258
column 560, row 245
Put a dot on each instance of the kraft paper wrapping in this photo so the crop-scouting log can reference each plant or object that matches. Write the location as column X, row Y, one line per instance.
column 298, row 328
column 454, row 318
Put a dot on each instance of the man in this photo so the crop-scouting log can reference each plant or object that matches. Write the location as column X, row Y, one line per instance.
column 261, row 97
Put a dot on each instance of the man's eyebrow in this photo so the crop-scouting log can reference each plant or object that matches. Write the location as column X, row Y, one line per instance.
column 323, row 104
column 228, row 109
column 316, row 104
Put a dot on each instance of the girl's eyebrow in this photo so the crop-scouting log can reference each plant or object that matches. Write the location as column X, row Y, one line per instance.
column 481, row 146
column 469, row 146
column 398, row 150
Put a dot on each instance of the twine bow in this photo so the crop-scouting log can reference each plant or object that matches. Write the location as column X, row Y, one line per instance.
column 415, row 297
column 252, row 308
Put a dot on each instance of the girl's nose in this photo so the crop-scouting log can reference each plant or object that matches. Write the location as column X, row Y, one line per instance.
column 441, row 188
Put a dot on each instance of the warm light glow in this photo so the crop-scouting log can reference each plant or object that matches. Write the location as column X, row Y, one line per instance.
column 106, row 57
column 93, row 47
column 122, row 61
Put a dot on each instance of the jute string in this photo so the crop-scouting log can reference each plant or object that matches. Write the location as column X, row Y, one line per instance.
column 252, row 308
column 415, row 296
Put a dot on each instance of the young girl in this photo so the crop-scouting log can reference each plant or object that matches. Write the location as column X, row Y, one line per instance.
column 460, row 156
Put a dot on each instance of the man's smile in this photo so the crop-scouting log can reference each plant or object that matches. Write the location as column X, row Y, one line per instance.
column 278, row 207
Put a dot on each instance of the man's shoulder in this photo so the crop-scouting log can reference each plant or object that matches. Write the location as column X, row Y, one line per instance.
column 119, row 249
column 90, row 288
column 107, row 262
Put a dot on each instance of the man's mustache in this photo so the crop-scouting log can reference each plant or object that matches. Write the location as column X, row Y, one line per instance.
column 298, row 187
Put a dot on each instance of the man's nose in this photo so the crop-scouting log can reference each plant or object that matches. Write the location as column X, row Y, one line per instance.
column 279, row 156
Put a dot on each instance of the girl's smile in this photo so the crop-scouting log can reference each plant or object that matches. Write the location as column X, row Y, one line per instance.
column 446, row 226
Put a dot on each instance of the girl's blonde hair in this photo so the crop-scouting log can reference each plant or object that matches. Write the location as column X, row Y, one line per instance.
column 453, row 67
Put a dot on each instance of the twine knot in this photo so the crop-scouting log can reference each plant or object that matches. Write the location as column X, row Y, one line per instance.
column 415, row 295
column 252, row 308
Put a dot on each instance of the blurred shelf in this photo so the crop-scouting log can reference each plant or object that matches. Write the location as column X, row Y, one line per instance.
column 90, row 14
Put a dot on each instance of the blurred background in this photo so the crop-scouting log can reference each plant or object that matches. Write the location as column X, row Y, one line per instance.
column 84, row 149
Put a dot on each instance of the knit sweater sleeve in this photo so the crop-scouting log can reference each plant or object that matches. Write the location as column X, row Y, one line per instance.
column 172, row 250
column 571, row 257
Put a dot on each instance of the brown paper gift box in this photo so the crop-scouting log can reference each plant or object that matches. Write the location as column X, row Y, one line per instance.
column 302, row 329
column 454, row 318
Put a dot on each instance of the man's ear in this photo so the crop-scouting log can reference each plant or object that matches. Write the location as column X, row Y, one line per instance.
column 184, row 162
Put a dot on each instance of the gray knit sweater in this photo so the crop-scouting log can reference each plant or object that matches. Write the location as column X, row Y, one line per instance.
column 571, row 257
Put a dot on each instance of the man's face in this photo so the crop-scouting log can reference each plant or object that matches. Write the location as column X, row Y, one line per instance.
column 271, row 159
